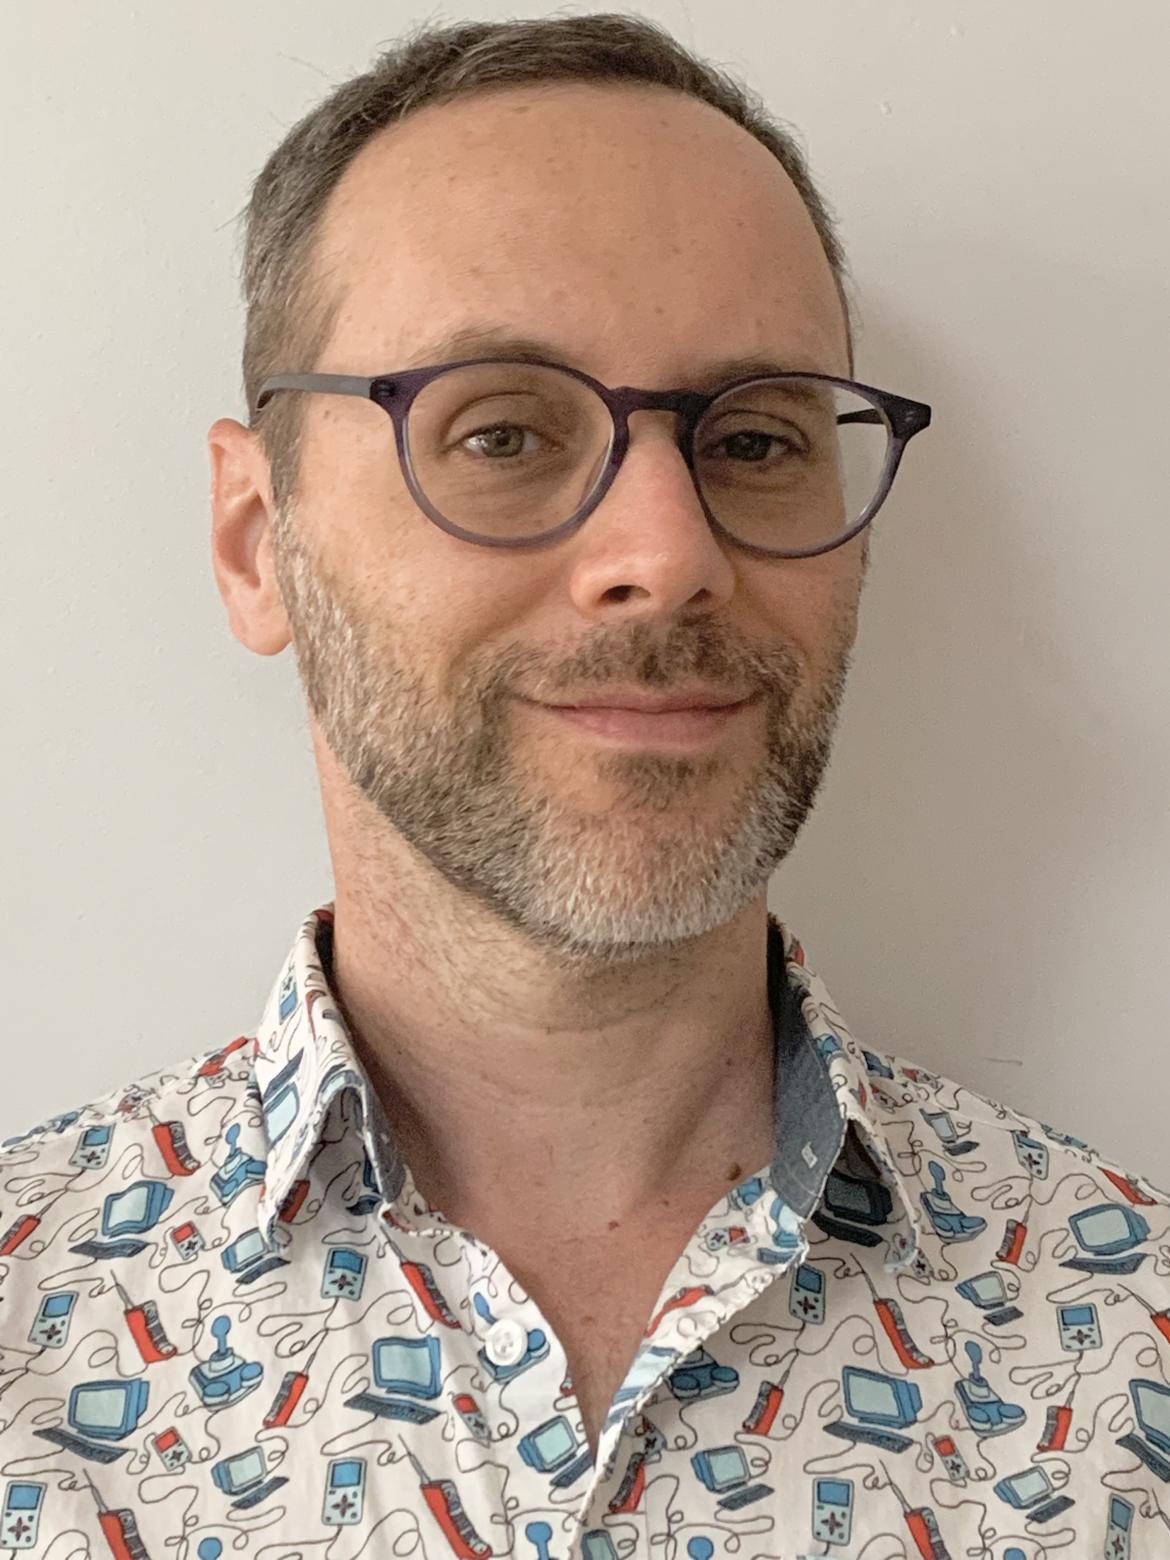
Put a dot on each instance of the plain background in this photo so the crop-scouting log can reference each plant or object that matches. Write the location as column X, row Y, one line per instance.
column 985, row 883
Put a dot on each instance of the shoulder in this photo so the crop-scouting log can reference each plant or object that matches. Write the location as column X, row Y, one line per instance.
column 138, row 1100
column 96, row 1203
column 1005, row 1189
column 959, row 1120
column 135, row 1140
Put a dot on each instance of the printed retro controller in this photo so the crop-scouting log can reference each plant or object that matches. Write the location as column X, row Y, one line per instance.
column 187, row 1240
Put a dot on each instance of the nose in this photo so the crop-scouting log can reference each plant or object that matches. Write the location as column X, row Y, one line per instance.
column 648, row 546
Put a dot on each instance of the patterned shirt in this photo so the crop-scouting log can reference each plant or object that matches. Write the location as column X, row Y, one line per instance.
column 231, row 1326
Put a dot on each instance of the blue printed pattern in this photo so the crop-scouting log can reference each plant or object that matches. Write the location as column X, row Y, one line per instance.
column 230, row 1326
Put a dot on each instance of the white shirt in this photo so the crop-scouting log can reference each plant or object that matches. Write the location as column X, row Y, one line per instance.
column 231, row 1326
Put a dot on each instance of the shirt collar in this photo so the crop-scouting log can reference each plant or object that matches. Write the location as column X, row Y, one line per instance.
column 836, row 1110
column 305, row 1059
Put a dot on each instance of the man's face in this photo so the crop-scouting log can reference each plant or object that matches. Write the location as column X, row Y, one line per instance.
column 649, row 237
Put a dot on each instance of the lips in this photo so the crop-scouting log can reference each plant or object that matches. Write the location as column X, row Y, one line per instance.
column 650, row 709
column 687, row 727
column 632, row 699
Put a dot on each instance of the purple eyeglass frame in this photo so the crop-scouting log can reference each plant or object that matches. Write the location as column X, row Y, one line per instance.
column 395, row 392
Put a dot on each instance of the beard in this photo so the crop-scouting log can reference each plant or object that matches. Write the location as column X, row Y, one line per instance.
column 588, row 882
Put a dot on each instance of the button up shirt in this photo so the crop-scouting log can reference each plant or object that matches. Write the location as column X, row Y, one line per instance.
column 231, row 1326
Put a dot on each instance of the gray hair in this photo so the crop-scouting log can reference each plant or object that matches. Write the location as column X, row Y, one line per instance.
column 289, row 312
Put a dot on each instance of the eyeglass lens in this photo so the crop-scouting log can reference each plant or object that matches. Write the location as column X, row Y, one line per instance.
column 513, row 450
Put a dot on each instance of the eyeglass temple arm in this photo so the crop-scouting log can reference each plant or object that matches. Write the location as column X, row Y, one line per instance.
column 340, row 384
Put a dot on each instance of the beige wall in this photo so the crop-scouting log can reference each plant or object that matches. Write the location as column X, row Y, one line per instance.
column 986, row 884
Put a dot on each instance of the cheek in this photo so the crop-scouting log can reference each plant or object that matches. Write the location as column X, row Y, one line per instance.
column 470, row 605
column 485, row 617
column 816, row 612
column 808, row 596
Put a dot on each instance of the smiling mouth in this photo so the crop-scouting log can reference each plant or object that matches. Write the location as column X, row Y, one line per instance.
column 653, row 728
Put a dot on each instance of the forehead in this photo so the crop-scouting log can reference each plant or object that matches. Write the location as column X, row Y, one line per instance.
column 640, row 224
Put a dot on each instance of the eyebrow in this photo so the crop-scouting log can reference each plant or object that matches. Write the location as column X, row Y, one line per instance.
column 501, row 341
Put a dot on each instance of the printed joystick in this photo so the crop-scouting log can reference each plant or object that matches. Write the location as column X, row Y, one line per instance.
column 538, row 1535
column 225, row 1356
column 977, row 1379
column 225, row 1377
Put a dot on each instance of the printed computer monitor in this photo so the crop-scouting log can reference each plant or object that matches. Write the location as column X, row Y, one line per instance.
column 128, row 1210
column 407, row 1365
column 245, row 1248
column 281, row 1112
column 107, row 1408
column 1106, row 1230
column 1030, row 1486
column 988, row 1287
column 1151, row 1404
column 861, row 1199
column 243, row 1471
column 551, row 1446
column 727, row 1466
column 875, row 1400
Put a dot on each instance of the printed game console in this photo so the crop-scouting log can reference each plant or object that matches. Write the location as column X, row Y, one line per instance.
column 472, row 1416
column 345, row 1489
column 806, row 1296
column 832, row 1510
column 950, row 1456
column 171, row 1449
column 93, row 1147
column 50, row 1328
column 1079, row 1327
column 1118, row 1531
column 20, row 1514
column 187, row 1240
column 344, row 1275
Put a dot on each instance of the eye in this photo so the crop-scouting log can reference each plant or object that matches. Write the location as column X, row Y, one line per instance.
column 490, row 432
column 752, row 445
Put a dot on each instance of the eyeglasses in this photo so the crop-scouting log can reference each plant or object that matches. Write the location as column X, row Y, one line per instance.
column 507, row 452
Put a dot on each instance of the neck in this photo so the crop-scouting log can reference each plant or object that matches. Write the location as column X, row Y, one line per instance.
column 588, row 1102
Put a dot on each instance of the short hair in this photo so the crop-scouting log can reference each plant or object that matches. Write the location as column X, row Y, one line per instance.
column 290, row 313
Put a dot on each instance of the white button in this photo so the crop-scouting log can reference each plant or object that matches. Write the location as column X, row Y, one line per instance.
column 506, row 1342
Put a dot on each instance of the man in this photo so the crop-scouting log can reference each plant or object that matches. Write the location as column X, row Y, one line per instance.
column 552, row 1209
